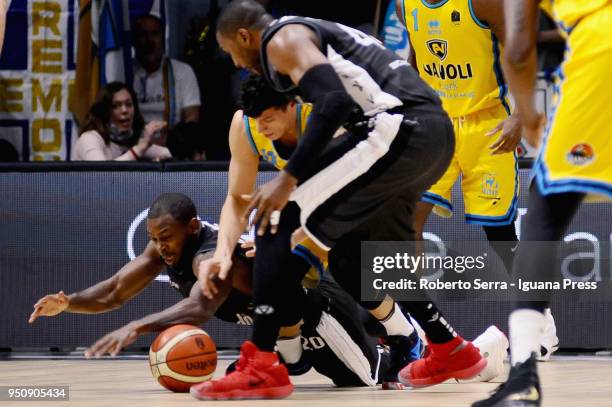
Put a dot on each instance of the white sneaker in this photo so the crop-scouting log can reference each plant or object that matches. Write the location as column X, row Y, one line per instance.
column 493, row 345
column 550, row 341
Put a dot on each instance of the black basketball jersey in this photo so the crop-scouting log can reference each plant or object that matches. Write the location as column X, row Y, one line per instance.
column 181, row 276
column 376, row 78
column 238, row 306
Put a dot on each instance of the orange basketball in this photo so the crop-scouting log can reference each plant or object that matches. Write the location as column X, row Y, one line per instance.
column 182, row 356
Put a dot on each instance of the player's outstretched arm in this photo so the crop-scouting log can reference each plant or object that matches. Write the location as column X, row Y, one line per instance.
column 106, row 295
column 195, row 310
column 242, row 176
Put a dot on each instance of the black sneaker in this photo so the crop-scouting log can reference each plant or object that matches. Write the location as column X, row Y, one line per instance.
column 522, row 389
column 403, row 350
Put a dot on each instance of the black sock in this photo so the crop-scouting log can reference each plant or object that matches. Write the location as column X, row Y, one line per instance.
column 277, row 277
column 430, row 319
column 265, row 327
column 503, row 241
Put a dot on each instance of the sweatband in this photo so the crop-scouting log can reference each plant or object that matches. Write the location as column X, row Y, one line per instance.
column 332, row 106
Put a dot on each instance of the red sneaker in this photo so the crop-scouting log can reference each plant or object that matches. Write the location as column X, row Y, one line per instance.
column 456, row 359
column 258, row 375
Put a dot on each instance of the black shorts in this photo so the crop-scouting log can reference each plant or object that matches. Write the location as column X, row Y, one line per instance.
column 357, row 175
column 335, row 340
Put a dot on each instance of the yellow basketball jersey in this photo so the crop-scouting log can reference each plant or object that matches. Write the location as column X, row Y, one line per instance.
column 567, row 13
column 456, row 54
column 264, row 147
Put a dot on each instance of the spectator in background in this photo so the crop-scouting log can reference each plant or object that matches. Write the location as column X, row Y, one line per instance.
column 218, row 78
column 167, row 89
column 185, row 142
column 115, row 129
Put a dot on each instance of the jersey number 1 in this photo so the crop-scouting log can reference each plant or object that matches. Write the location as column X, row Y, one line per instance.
column 415, row 14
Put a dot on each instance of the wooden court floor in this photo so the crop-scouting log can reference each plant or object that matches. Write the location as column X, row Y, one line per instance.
column 568, row 381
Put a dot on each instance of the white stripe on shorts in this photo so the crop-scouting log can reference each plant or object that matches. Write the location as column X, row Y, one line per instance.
column 345, row 349
column 354, row 163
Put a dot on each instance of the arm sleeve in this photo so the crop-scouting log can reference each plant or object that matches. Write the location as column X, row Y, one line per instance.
column 322, row 86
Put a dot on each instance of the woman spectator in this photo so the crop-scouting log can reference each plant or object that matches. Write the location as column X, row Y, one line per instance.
column 115, row 130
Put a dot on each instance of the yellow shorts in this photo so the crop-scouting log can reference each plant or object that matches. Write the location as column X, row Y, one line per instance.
column 576, row 155
column 489, row 183
column 317, row 258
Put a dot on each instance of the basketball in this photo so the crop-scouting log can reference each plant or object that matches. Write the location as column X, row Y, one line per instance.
column 182, row 356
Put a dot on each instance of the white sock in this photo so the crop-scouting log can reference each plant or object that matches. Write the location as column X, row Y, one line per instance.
column 526, row 328
column 396, row 323
column 290, row 348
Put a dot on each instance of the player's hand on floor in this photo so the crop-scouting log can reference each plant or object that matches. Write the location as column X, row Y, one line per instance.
column 113, row 342
column 50, row 305
column 270, row 197
column 510, row 135
column 250, row 248
column 209, row 270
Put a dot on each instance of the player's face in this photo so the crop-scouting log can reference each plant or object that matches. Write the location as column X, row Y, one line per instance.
column 122, row 110
column 242, row 50
column 169, row 236
column 275, row 123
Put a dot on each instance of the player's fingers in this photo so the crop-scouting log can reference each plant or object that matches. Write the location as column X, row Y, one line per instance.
column 93, row 349
column 119, row 346
column 250, row 253
column 496, row 129
column 42, row 301
column 255, row 203
column 274, row 221
column 252, row 204
column 247, row 244
column 206, row 286
column 213, row 288
column 210, row 290
column 263, row 222
column 225, row 268
column 34, row 315
column 107, row 347
column 498, row 142
column 500, row 149
column 115, row 351
column 504, row 148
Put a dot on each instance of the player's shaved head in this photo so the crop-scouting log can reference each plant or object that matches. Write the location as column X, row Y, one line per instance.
column 247, row 14
column 177, row 205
